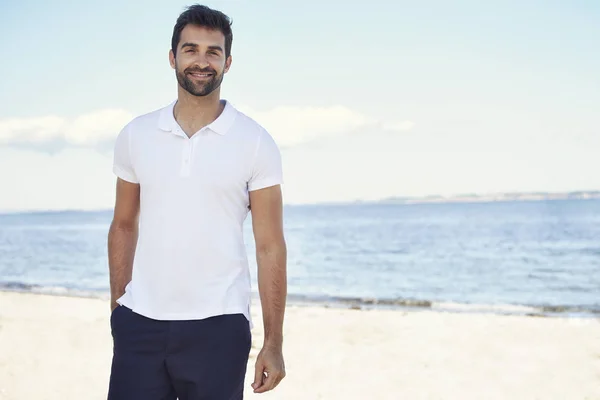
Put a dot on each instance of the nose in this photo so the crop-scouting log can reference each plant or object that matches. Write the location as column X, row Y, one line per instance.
column 201, row 61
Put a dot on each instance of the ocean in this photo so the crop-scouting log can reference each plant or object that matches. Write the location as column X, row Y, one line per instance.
column 521, row 257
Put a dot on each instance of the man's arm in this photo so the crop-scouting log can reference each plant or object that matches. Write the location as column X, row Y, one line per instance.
column 122, row 238
column 271, row 256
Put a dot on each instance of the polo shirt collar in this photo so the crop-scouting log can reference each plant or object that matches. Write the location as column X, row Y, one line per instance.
column 220, row 125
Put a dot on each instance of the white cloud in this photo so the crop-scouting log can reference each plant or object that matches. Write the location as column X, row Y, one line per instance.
column 294, row 125
column 399, row 126
column 289, row 125
column 96, row 127
column 86, row 130
column 39, row 129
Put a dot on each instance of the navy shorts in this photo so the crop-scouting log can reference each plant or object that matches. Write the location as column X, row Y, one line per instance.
column 186, row 360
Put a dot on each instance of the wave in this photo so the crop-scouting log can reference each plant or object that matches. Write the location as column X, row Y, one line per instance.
column 539, row 310
column 358, row 303
column 52, row 290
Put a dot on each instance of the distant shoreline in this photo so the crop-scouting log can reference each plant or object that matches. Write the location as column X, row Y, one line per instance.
column 433, row 199
column 495, row 197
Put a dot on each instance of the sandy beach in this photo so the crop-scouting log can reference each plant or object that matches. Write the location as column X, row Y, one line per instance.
column 54, row 347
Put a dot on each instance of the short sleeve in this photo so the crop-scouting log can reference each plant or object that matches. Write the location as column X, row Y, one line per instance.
column 267, row 169
column 122, row 165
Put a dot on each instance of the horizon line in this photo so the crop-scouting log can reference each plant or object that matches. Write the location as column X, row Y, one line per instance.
column 398, row 199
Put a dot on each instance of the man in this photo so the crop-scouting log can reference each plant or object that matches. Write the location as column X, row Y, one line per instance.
column 188, row 175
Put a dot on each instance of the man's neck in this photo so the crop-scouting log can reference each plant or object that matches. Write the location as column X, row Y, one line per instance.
column 193, row 113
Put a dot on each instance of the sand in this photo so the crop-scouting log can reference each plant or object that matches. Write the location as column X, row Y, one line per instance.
column 54, row 347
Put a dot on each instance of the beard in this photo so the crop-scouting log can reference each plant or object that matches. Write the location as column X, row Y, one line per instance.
column 199, row 89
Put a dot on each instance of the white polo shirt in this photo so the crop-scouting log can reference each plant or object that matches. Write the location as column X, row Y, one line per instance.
column 191, row 261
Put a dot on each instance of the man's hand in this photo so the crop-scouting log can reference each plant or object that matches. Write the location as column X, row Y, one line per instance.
column 269, row 369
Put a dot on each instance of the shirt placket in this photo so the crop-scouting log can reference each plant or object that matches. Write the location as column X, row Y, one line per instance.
column 186, row 157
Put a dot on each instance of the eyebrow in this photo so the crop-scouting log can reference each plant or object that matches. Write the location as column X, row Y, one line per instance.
column 195, row 46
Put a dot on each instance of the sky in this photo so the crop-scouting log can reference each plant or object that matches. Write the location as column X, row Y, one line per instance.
column 367, row 100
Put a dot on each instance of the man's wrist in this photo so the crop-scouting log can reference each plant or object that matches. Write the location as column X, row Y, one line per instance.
column 114, row 296
column 113, row 301
column 274, row 341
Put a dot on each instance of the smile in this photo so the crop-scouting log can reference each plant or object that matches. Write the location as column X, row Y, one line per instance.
column 201, row 76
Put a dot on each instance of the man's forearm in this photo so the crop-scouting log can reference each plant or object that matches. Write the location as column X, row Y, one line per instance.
column 122, row 241
column 272, row 283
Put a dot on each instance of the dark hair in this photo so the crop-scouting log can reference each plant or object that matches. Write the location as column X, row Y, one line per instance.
column 206, row 17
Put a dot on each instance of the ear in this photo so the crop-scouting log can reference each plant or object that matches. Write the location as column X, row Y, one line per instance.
column 228, row 64
column 172, row 59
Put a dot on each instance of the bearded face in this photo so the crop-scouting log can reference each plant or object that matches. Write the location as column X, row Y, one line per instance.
column 200, row 63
